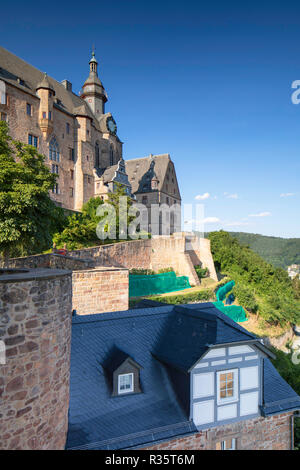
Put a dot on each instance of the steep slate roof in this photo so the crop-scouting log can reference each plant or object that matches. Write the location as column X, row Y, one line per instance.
column 12, row 68
column 141, row 170
column 166, row 341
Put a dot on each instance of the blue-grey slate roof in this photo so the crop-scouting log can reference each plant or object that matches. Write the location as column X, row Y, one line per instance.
column 165, row 341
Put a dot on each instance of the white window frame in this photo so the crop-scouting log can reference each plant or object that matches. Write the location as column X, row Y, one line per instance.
column 221, row 401
column 120, row 392
column 233, row 444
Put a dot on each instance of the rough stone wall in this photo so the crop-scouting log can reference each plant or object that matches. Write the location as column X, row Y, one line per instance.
column 100, row 290
column 280, row 342
column 200, row 253
column 170, row 252
column 49, row 260
column 35, row 325
column 272, row 433
column 156, row 253
column 133, row 254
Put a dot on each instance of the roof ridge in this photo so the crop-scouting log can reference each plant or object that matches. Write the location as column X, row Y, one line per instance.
column 122, row 314
column 149, row 157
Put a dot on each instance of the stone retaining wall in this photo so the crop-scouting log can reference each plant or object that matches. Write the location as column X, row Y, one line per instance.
column 35, row 325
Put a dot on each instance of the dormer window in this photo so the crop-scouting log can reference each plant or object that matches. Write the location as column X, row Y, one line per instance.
column 227, row 386
column 123, row 373
column 125, row 383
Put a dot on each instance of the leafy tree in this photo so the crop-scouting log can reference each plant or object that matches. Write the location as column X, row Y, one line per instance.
column 80, row 229
column 260, row 287
column 245, row 297
column 28, row 217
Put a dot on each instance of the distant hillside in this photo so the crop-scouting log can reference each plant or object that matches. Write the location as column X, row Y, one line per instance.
column 281, row 252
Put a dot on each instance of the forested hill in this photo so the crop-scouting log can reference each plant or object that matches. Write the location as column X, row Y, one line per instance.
column 281, row 252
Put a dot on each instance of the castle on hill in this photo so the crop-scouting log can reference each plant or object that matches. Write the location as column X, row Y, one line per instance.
column 79, row 139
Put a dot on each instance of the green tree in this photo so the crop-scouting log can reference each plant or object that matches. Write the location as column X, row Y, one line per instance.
column 28, row 217
column 80, row 228
column 260, row 287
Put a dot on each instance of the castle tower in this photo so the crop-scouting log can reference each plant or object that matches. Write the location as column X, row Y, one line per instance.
column 93, row 91
column 46, row 94
column 35, row 335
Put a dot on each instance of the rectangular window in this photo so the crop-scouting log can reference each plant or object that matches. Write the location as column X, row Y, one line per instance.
column 32, row 140
column 54, row 169
column 3, row 117
column 71, row 154
column 55, row 189
column 72, row 174
column 2, row 97
column 50, row 115
column 125, row 383
column 227, row 381
column 68, row 128
column 228, row 444
column 71, row 192
column 44, row 114
column 28, row 109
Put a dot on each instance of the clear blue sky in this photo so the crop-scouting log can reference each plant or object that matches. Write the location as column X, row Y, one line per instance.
column 207, row 82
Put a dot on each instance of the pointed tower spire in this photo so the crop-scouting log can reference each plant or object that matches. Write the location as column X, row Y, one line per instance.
column 93, row 91
column 93, row 63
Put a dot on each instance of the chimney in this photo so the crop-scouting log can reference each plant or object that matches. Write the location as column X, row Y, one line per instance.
column 67, row 85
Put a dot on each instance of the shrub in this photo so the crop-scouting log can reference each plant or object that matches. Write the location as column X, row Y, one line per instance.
column 201, row 272
column 245, row 297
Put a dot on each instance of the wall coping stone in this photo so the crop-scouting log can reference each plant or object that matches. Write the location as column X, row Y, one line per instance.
column 21, row 275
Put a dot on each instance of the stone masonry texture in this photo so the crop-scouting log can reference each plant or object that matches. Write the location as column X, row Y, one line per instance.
column 177, row 251
column 35, row 325
column 100, row 290
column 271, row 433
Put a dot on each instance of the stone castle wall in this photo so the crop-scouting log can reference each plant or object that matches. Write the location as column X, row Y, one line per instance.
column 48, row 260
column 100, row 290
column 156, row 253
column 271, row 433
column 35, row 325
column 176, row 251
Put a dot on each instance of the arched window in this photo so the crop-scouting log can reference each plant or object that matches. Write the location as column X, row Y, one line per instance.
column 97, row 155
column 54, row 150
column 111, row 155
column 2, row 92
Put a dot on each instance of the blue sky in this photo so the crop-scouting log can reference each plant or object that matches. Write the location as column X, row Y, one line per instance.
column 207, row 82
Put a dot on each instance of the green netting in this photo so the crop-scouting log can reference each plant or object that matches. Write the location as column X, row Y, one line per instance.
column 235, row 312
column 221, row 293
column 156, row 284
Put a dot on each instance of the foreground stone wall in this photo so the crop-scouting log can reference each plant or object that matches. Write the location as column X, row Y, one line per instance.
column 100, row 290
column 35, row 325
column 272, row 433
column 48, row 260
